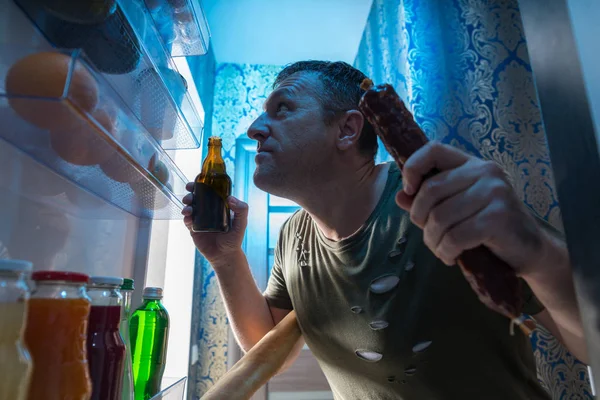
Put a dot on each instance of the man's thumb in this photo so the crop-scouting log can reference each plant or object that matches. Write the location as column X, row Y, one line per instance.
column 240, row 213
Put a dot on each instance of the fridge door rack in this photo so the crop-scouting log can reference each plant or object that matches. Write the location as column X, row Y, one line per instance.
column 85, row 133
column 182, row 26
column 175, row 391
column 124, row 49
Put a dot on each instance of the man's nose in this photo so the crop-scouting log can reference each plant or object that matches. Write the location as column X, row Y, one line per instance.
column 259, row 130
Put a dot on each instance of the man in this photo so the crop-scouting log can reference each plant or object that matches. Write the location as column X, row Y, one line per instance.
column 377, row 306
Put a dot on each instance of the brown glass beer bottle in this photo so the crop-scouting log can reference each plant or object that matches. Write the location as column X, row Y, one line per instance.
column 212, row 187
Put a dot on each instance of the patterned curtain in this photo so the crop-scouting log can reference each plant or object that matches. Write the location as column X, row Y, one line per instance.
column 462, row 67
column 239, row 93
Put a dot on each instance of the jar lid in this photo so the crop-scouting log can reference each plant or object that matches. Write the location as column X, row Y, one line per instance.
column 15, row 265
column 60, row 276
column 106, row 280
column 127, row 284
column 153, row 293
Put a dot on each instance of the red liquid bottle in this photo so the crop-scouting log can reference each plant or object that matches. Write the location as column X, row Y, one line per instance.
column 105, row 347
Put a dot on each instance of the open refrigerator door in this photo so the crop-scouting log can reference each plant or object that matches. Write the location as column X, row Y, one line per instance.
column 97, row 126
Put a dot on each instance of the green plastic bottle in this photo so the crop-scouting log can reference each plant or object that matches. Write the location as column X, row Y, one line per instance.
column 126, row 291
column 149, row 330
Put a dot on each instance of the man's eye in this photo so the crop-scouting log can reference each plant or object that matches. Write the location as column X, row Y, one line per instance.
column 282, row 107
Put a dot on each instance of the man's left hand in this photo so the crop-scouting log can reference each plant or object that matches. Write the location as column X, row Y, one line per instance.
column 467, row 204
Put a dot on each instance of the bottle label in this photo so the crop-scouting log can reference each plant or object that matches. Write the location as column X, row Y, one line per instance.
column 211, row 212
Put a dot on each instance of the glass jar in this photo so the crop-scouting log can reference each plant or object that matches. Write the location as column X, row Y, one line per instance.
column 15, row 361
column 56, row 334
column 127, row 290
column 106, row 349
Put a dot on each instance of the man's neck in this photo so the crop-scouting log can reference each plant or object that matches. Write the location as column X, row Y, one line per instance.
column 340, row 207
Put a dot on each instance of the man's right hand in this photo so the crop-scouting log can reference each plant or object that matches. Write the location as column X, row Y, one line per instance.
column 216, row 246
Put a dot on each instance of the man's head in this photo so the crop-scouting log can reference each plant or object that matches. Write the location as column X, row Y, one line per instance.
column 311, row 121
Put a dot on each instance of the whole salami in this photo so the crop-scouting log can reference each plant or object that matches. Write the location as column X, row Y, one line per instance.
column 494, row 281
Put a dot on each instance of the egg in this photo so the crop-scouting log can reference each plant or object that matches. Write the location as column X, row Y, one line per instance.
column 45, row 74
column 148, row 195
column 118, row 168
column 83, row 145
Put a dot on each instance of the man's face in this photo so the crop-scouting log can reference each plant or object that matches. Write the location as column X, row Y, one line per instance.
column 294, row 143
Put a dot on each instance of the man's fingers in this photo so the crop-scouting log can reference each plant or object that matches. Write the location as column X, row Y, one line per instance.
column 189, row 186
column 187, row 211
column 452, row 211
column 240, row 214
column 470, row 233
column 433, row 155
column 187, row 199
column 188, row 221
column 404, row 201
column 440, row 187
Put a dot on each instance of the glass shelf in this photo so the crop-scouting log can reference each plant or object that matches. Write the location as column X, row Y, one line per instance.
column 176, row 391
column 63, row 113
column 182, row 26
column 139, row 69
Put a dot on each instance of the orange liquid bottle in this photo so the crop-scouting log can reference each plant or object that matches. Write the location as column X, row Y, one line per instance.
column 56, row 336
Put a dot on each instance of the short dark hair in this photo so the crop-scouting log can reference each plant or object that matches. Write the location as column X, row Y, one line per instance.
column 340, row 92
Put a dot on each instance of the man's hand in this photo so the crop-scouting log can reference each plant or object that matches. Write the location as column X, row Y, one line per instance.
column 214, row 246
column 467, row 204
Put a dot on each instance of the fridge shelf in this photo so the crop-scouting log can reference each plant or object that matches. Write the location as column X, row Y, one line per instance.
column 139, row 70
column 175, row 391
column 60, row 111
column 182, row 26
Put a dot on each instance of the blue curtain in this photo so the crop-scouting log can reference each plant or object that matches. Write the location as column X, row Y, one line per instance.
column 239, row 93
column 463, row 69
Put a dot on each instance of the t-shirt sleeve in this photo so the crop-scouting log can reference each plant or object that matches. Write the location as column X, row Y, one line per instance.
column 277, row 294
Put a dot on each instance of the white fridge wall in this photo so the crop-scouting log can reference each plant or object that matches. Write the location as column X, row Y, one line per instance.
column 57, row 225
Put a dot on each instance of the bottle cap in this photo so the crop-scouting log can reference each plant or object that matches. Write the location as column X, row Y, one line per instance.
column 127, row 284
column 66, row 276
column 15, row 265
column 106, row 280
column 153, row 293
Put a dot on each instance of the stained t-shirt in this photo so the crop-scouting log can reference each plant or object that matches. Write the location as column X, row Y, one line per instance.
column 387, row 320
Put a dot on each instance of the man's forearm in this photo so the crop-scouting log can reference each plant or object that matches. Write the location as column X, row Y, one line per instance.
column 247, row 309
column 552, row 284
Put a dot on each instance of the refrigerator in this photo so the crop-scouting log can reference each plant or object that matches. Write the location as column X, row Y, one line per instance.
column 98, row 197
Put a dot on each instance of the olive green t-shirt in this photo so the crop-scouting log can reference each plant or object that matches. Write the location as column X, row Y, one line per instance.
column 387, row 320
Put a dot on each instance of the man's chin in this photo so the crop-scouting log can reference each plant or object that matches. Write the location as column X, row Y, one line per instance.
column 265, row 181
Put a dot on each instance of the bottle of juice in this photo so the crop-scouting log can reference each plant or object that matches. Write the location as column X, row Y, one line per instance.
column 15, row 362
column 55, row 335
column 149, row 329
column 126, row 290
column 105, row 347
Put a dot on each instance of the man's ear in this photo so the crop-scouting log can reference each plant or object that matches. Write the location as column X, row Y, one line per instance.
column 350, row 127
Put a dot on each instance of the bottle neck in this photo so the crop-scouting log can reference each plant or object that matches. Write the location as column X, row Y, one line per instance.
column 214, row 161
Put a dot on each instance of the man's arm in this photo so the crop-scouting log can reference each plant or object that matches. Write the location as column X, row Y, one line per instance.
column 552, row 284
column 250, row 316
column 470, row 203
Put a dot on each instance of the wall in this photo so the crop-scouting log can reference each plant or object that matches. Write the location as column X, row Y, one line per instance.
column 463, row 69
column 239, row 93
